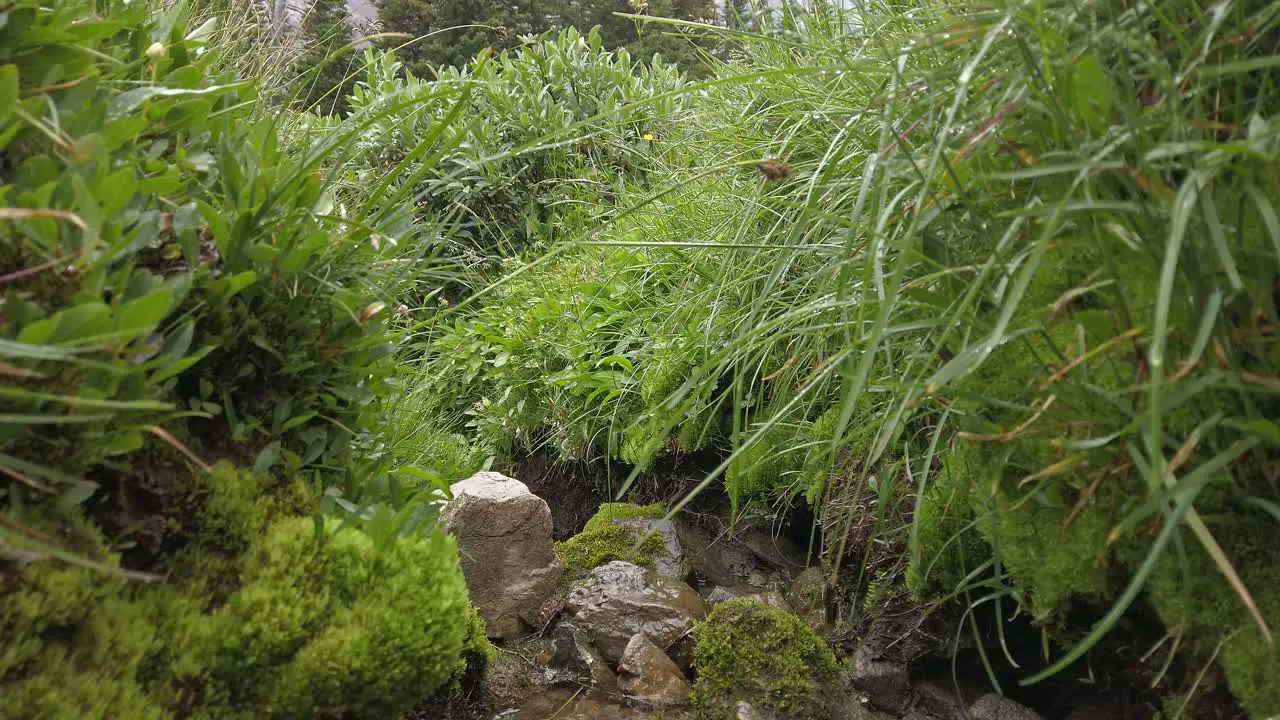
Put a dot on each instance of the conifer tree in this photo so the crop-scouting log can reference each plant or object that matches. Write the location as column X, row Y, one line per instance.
column 468, row 26
column 456, row 30
column 321, row 67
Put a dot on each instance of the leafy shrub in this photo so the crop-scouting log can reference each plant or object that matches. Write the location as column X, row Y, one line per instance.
column 509, row 146
column 238, row 314
column 749, row 650
column 1043, row 241
column 470, row 28
column 192, row 344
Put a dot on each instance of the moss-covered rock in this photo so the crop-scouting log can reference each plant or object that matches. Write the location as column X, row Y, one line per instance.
column 748, row 650
column 602, row 541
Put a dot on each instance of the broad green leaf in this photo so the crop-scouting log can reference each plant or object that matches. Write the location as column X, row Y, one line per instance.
column 267, row 457
column 77, row 494
column 178, row 366
column 1265, row 430
column 130, row 100
column 9, row 348
column 8, row 90
column 82, row 321
column 76, row 401
column 144, row 314
column 296, row 421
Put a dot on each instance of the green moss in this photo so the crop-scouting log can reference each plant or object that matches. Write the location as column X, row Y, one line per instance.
column 477, row 654
column 602, row 541
column 325, row 621
column 230, row 508
column 73, row 639
column 769, row 464
column 609, row 512
column 943, row 546
column 748, row 650
column 858, row 438
column 1191, row 596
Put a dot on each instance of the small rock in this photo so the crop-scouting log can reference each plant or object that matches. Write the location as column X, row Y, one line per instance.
column 859, row 710
column 505, row 682
column 745, row 711
column 619, row 599
column 773, row 598
column 725, row 561
column 996, row 707
column 935, row 701
column 507, row 554
column 807, row 590
column 719, row 594
column 672, row 563
column 887, row 685
column 571, row 659
column 647, row 674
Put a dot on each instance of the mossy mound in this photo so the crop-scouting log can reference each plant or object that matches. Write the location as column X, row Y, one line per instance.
column 748, row 650
column 602, row 541
column 1192, row 596
column 73, row 641
column 325, row 621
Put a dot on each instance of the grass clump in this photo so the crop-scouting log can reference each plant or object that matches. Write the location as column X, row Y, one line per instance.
column 749, row 650
column 602, row 541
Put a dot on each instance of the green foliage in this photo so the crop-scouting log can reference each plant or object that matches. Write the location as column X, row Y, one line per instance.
column 497, row 151
column 602, row 541
column 234, row 311
column 192, row 344
column 451, row 34
column 1024, row 271
column 749, row 650
column 1198, row 607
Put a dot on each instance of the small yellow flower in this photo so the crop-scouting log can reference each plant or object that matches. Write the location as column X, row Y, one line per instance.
column 156, row 51
column 648, row 136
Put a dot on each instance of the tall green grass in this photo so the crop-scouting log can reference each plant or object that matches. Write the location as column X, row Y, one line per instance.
column 1021, row 277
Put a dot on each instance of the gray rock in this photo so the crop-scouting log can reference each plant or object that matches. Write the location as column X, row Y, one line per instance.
column 935, row 701
column 719, row 594
column 645, row 673
column 858, row 709
column 807, row 590
column 569, row 658
column 723, row 560
column 618, row 600
column 673, row 562
column 772, row 597
column 507, row 554
column 996, row 707
column 744, row 711
column 886, row 685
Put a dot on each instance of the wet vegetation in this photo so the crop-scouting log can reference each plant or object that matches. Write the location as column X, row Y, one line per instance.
column 988, row 293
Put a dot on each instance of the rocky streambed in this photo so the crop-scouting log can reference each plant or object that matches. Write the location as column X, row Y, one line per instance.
column 619, row 639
